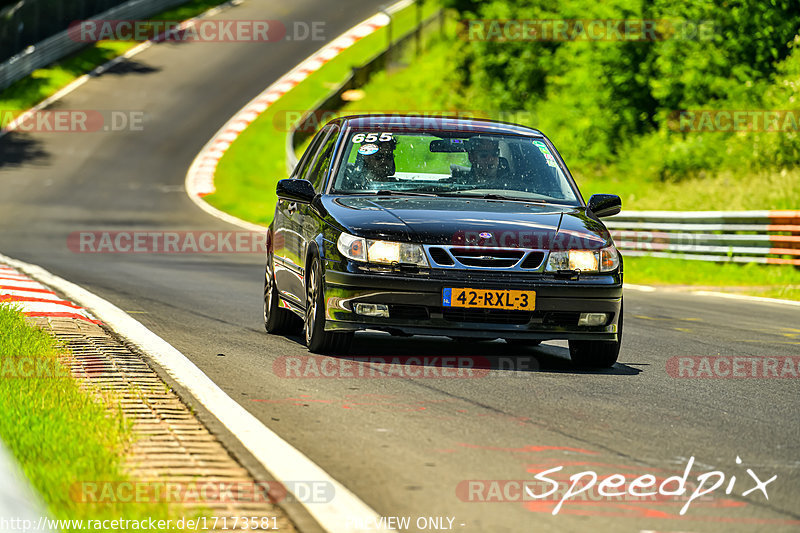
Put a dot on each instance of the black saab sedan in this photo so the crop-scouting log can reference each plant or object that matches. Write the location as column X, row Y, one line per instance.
column 442, row 226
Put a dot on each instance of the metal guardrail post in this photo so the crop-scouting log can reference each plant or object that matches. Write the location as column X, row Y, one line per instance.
column 388, row 33
column 418, row 33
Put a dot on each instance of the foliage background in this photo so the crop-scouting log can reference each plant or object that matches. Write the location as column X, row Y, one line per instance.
column 607, row 104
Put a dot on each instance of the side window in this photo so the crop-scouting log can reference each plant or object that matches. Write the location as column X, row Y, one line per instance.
column 308, row 156
column 320, row 167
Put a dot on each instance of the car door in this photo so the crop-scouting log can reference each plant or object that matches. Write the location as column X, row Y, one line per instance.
column 304, row 221
column 295, row 243
column 286, row 232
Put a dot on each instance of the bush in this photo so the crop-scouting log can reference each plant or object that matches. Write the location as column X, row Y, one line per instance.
column 611, row 103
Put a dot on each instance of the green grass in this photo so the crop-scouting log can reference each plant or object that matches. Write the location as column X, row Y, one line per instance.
column 770, row 281
column 59, row 433
column 246, row 175
column 45, row 82
column 721, row 192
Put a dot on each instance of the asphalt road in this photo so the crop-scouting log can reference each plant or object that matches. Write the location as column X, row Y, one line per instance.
column 406, row 446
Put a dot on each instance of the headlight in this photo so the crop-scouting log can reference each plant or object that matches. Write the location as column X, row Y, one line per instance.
column 383, row 252
column 604, row 260
column 352, row 247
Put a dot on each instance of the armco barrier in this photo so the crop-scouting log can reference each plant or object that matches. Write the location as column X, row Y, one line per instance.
column 62, row 44
column 770, row 237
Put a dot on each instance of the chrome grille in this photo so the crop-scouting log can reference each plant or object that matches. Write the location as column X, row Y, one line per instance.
column 485, row 258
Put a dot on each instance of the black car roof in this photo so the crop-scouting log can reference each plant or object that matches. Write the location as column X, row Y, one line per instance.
column 433, row 123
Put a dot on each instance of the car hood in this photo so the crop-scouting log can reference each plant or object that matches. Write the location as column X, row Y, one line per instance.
column 470, row 222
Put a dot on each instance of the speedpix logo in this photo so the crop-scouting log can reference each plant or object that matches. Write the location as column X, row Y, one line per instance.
column 547, row 486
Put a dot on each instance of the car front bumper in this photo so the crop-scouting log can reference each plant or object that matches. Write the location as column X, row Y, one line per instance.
column 415, row 305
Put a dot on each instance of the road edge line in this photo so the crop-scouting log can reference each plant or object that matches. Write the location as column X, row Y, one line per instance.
column 759, row 299
column 264, row 444
column 199, row 179
column 642, row 288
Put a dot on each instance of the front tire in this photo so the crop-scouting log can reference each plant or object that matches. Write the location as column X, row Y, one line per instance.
column 317, row 339
column 276, row 318
column 597, row 354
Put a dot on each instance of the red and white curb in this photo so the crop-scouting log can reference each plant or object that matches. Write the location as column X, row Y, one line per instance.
column 36, row 300
column 200, row 177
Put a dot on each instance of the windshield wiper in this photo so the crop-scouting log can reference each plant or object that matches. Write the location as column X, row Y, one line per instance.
column 389, row 192
column 495, row 196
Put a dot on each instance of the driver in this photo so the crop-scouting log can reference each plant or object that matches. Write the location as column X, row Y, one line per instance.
column 484, row 156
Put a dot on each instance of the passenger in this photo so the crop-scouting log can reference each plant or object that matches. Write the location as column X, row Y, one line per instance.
column 379, row 166
column 374, row 163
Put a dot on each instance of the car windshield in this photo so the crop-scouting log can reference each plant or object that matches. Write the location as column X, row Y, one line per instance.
column 459, row 164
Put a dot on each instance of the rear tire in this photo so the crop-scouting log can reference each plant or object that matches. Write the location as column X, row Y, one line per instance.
column 597, row 354
column 276, row 318
column 317, row 339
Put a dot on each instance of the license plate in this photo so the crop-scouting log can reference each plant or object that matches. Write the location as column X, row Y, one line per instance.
column 489, row 299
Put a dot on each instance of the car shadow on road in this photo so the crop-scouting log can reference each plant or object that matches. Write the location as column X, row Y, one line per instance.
column 494, row 355
column 130, row 66
column 17, row 148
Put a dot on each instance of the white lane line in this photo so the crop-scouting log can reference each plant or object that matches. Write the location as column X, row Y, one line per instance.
column 200, row 176
column 642, row 288
column 759, row 299
column 345, row 513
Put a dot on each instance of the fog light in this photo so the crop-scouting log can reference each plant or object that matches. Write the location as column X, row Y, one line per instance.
column 372, row 310
column 592, row 319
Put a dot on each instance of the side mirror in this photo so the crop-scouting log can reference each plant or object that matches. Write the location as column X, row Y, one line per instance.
column 604, row 205
column 296, row 190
